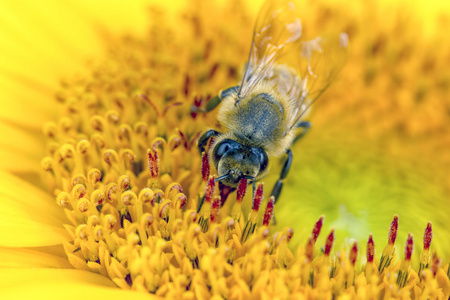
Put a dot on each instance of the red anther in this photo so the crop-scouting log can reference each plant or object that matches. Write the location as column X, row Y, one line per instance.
column 213, row 70
column 435, row 264
column 409, row 247
column 185, row 141
column 194, row 140
column 170, row 106
column 309, row 249
column 209, row 189
column 174, row 143
column 177, row 187
column 353, row 254
column 317, row 228
column 148, row 221
column 151, row 103
column 153, row 163
column 393, row 231
column 242, row 188
column 329, row 243
column 164, row 208
column 183, row 200
column 258, row 197
column 289, row 234
column 427, row 236
column 198, row 101
column 268, row 214
column 187, row 81
column 208, row 47
column 111, row 188
column 205, row 166
column 370, row 252
column 156, row 144
column 215, row 209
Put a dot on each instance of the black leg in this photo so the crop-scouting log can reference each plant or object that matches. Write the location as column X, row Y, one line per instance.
column 305, row 125
column 276, row 191
column 215, row 101
column 203, row 140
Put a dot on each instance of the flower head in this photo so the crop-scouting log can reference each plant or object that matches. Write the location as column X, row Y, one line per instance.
column 141, row 206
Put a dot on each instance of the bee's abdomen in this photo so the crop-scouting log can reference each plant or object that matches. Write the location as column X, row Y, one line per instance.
column 260, row 119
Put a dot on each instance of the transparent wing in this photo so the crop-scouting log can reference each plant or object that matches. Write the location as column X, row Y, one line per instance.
column 319, row 63
column 277, row 26
column 300, row 69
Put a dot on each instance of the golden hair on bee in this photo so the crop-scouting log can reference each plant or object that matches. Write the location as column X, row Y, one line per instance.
column 261, row 119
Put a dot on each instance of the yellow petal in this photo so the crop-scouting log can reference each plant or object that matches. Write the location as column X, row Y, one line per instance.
column 61, row 284
column 23, row 155
column 33, row 258
column 39, row 45
column 29, row 216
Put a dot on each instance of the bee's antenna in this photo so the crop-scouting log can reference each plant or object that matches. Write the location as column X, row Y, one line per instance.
column 221, row 177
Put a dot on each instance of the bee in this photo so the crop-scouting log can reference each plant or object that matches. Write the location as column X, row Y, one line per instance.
column 265, row 114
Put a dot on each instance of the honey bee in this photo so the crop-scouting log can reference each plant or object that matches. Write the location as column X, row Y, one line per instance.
column 266, row 112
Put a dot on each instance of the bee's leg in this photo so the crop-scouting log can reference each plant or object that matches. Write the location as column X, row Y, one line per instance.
column 203, row 140
column 276, row 191
column 215, row 101
column 305, row 125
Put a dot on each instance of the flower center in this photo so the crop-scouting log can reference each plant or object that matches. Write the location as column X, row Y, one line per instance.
column 142, row 207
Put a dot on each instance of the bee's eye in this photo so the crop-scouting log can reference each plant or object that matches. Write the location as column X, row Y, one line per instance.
column 263, row 159
column 223, row 147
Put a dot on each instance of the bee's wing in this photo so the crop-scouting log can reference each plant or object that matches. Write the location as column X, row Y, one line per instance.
column 318, row 64
column 277, row 25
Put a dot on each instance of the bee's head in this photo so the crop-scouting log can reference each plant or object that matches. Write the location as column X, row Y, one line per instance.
column 235, row 161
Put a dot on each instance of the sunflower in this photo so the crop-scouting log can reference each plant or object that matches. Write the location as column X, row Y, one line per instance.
column 104, row 192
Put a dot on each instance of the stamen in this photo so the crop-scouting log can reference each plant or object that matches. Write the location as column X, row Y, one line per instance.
column 389, row 250
column 268, row 214
column 370, row 252
column 250, row 226
column 428, row 235
column 435, row 264
column 317, row 228
column 403, row 273
column 258, row 197
column 329, row 243
column 153, row 163
column 353, row 254
column 242, row 188
column 205, row 166
column 425, row 255
column 215, row 210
